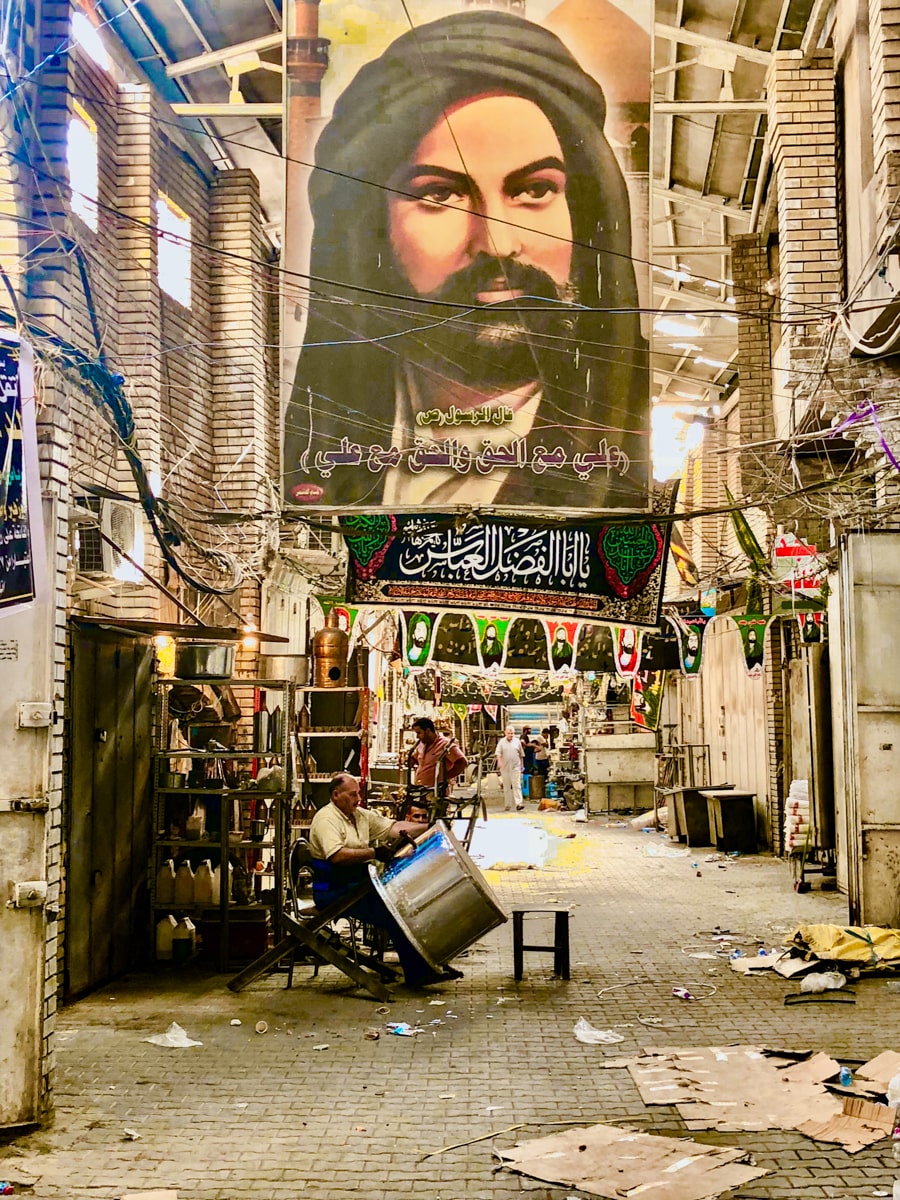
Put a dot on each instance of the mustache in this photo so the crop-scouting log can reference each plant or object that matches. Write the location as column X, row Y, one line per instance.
column 487, row 274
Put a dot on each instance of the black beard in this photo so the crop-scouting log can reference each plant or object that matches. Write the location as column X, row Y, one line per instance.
column 499, row 345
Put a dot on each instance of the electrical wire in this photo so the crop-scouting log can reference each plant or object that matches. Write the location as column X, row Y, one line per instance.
column 810, row 306
column 800, row 305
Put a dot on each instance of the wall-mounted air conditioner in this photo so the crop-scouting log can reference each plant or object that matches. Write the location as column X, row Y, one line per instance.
column 121, row 522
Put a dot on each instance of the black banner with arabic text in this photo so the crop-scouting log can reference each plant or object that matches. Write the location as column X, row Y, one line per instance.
column 594, row 570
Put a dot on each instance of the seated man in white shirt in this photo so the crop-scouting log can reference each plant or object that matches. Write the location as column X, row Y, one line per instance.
column 341, row 840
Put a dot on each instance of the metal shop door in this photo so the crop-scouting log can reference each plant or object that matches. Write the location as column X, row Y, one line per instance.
column 109, row 820
column 869, row 612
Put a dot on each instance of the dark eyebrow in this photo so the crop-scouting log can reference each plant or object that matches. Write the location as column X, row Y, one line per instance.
column 543, row 164
column 456, row 178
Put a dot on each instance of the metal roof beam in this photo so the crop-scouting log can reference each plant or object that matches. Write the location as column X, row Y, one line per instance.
column 225, row 109
column 675, row 251
column 696, row 200
column 689, row 37
column 682, row 108
column 690, row 381
column 694, row 301
column 215, row 58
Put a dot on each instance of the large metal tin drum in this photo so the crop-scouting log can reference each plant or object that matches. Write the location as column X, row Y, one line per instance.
column 439, row 897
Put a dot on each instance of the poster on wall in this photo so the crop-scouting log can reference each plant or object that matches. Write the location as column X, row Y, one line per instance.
column 21, row 519
column 466, row 254
column 594, row 570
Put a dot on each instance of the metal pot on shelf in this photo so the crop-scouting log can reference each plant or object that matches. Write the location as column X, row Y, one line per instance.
column 204, row 660
column 294, row 668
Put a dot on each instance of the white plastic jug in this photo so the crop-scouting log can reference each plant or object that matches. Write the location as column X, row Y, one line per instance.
column 165, row 883
column 184, row 941
column 165, row 932
column 203, row 883
column 184, row 885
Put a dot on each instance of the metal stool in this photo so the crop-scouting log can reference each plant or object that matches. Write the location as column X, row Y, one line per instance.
column 560, row 945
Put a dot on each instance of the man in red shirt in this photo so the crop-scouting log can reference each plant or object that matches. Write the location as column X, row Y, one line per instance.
column 437, row 758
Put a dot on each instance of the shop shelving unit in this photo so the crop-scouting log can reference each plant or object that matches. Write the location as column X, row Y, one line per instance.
column 228, row 844
column 338, row 738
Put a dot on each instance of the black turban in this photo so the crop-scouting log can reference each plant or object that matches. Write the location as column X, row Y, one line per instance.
column 383, row 114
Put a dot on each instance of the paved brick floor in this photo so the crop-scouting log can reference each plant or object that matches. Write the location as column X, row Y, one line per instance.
column 251, row 1116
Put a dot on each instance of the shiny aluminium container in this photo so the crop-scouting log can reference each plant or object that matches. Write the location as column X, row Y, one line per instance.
column 439, row 897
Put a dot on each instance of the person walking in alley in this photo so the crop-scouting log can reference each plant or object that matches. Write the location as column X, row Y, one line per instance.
column 510, row 760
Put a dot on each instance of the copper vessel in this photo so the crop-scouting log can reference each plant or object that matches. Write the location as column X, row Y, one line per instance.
column 330, row 654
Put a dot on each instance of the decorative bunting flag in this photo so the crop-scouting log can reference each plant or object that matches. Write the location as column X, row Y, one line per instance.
column 627, row 650
column 646, row 698
column 418, row 636
column 813, row 627
column 461, row 710
column 690, row 641
column 753, row 636
column 492, row 639
column 493, row 711
column 562, row 643
column 346, row 614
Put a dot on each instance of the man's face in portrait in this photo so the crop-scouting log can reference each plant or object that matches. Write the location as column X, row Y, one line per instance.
column 561, row 639
column 485, row 221
column 420, row 635
column 693, row 644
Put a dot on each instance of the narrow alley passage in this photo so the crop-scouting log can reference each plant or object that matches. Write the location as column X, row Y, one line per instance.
column 312, row 1108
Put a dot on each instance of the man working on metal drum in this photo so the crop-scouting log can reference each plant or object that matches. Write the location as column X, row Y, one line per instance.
column 437, row 757
column 341, row 839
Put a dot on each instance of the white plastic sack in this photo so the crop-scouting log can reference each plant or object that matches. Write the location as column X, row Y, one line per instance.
column 823, row 981
column 174, row 1038
column 585, row 1032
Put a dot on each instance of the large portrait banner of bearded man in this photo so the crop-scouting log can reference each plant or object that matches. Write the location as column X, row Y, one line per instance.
column 465, row 255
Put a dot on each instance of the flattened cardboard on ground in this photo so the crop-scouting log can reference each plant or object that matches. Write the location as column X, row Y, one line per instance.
column 882, row 1069
column 754, row 964
column 155, row 1194
column 791, row 967
column 732, row 1088
column 814, row 1070
column 859, row 1125
column 612, row 1162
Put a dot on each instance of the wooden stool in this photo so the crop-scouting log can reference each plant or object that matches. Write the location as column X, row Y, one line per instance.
column 560, row 945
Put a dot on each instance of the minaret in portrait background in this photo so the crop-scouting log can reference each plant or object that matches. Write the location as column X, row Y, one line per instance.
column 306, row 61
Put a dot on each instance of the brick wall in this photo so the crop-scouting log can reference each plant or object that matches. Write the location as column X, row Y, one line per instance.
column 200, row 380
column 802, row 130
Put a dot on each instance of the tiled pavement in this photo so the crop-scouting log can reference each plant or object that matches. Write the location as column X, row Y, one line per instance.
column 270, row 1117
